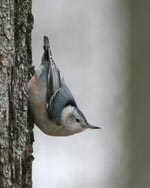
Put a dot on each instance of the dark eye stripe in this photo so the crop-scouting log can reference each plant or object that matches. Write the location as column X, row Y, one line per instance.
column 81, row 114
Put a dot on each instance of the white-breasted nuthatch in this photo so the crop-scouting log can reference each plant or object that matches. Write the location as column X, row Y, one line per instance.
column 52, row 104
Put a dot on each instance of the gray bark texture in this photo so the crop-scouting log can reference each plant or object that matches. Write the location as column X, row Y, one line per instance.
column 16, row 124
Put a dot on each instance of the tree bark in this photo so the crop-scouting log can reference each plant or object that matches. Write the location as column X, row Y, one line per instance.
column 16, row 136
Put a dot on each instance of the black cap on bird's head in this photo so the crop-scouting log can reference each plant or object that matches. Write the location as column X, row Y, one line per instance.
column 86, row 124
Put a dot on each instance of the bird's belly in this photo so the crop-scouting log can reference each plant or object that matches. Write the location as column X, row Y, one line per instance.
column 37, row 100
column 49, row 127
column 52, row 129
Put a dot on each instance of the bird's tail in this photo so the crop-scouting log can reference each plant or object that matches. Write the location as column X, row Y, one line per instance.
column 46, row 47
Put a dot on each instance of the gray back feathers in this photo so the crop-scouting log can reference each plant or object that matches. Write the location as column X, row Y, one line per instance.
column 58, row 94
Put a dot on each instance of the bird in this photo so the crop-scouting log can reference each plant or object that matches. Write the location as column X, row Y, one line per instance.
column 52, row 104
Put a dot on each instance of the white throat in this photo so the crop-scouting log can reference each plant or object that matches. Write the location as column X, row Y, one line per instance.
column 66, row 111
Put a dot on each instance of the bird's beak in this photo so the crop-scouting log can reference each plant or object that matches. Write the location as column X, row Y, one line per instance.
column 93, row 127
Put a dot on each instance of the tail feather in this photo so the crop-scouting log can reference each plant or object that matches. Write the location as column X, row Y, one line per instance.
column 46, row 43
column 46, row 47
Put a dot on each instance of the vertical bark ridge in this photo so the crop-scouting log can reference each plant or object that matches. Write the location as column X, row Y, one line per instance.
column 16, row 136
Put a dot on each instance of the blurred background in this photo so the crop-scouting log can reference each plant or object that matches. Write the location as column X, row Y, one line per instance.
column 102, row 48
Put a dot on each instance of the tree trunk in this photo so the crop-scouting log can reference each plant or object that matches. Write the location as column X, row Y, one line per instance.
column 16, row 136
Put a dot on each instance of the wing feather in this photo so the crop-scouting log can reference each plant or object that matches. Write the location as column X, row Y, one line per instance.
column 58, row 94
column 58, row 101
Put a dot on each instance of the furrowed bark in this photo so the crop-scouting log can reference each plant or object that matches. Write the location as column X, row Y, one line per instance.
column 16, row 124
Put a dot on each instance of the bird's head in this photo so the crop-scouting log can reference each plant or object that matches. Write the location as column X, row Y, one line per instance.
column 74, row 120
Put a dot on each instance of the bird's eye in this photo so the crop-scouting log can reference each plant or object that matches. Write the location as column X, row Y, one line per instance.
column 77, row 120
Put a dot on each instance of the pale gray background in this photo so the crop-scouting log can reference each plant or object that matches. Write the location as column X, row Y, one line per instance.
column 102, row 49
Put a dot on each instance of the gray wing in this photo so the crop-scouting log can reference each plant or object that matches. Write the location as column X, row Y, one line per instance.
column 58, row 94
column 58, row 101
column 55, row 80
